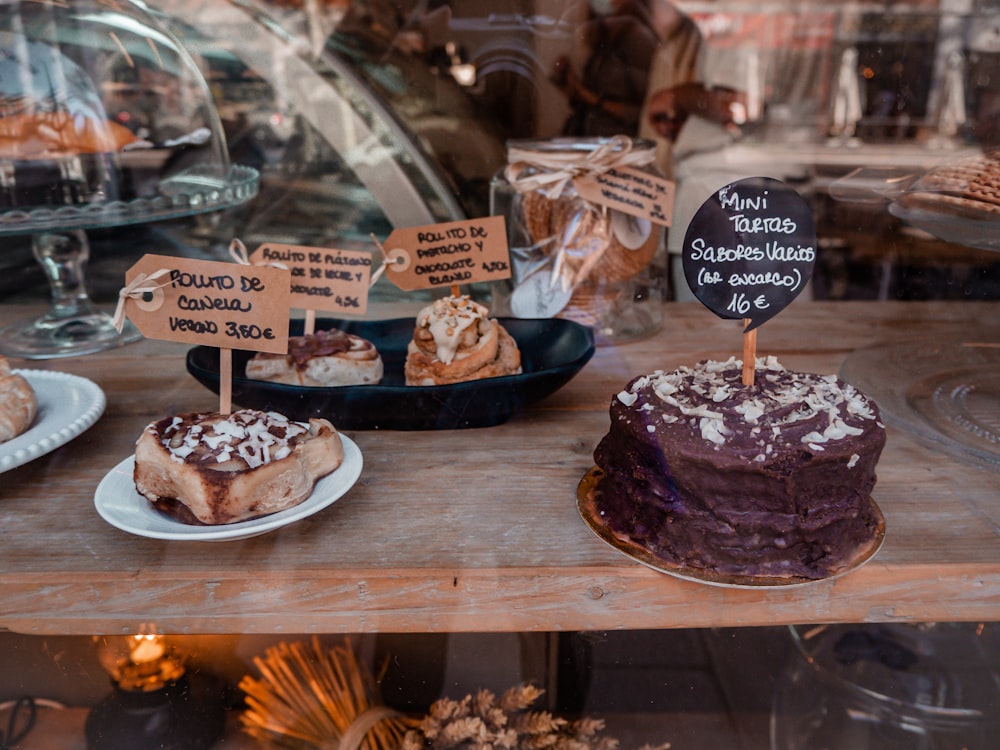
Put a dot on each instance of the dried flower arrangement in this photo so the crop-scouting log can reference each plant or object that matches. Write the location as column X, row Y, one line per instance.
column 311, row 698
column 481, row 722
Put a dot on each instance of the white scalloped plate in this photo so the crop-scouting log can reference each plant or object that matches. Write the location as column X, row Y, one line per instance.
column 67, row 406
column 120, row 505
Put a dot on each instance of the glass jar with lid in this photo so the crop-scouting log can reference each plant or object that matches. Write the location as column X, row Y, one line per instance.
column 573, row 256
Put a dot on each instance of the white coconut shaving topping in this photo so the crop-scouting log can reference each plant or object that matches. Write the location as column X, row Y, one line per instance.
column 256, row 437
column 214, row 441
column 713, row 430
column 628, row 398
column 720, row 394
column 643, row 381
column 701, row 410
column 789, row 399
column 182, row 451
column 751, row 409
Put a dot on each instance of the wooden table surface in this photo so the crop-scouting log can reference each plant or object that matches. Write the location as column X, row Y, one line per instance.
column 478, row 530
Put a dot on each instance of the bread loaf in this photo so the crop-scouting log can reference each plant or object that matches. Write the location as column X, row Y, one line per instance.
column 18, row 402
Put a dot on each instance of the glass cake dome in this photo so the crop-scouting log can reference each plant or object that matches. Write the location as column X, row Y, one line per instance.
column 105, row 120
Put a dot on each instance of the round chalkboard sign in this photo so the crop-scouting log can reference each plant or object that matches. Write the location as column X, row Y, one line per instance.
column 750, row 249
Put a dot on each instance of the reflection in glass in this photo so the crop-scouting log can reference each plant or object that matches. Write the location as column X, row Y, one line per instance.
column 889, row 686
column 104, row 121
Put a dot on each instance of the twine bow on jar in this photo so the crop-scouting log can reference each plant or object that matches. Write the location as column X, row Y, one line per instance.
column 550, row 169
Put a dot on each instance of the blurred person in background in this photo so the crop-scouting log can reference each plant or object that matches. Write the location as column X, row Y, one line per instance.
column 635, row 70
column 639, row 69
column 688, row 116
column 605, row 78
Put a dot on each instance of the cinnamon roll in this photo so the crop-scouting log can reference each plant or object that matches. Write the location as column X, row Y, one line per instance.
column 18, row 403
column 222, row 468
column 320, row 359
column 454, row 341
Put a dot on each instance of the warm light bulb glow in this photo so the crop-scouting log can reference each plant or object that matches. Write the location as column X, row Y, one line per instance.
column 141, row 662
column 146, row 648
column 464, row 75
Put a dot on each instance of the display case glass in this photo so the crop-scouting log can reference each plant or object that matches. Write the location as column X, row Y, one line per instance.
column 106, row 123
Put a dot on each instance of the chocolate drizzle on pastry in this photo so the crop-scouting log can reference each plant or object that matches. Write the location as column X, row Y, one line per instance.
column 243, row 440
column 320, row 359
column 321, row 344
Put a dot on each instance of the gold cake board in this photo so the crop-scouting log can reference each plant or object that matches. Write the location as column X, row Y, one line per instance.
column 585, row 496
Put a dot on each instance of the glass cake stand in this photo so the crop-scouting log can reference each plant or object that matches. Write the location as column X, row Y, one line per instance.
column 945, row 390
column 105, row 120
column 73, row 325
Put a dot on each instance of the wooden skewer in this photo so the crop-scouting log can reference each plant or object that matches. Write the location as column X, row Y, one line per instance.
column 225, row 380
column 749, row 353
column 309, row 326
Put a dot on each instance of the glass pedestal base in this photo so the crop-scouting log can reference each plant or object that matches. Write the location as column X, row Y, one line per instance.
column 52, row 336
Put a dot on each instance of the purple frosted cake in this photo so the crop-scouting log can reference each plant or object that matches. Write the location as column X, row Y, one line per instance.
column 769, row 480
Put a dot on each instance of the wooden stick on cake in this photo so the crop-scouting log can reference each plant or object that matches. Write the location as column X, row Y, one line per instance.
column 749, row 352
column 225, row 381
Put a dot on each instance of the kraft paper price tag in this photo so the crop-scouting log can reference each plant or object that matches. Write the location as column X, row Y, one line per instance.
column 322, row 278
column 750, row 249
column 630, row 191
column 458, row 252
column 210, row 303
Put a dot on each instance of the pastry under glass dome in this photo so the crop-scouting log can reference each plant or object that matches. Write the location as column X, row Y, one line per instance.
column 105, row 120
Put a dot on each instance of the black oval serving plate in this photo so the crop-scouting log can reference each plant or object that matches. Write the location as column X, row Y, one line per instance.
column 552, row 352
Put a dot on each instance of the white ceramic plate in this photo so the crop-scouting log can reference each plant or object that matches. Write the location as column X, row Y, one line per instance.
column 67, row 405
column 119, row 504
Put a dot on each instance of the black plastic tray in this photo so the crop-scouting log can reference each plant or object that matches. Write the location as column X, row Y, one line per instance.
column 552, row 352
